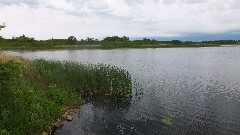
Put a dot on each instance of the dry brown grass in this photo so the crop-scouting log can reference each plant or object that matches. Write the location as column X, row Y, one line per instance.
column 6, row 57
column 27, row 70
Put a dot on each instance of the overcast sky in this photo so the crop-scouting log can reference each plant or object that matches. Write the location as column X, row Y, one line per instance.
column 44, row 19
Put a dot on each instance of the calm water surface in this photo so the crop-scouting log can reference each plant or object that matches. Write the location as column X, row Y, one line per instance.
column 184, row 91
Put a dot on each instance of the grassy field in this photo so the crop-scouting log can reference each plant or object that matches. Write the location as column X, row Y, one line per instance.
column 35, row 93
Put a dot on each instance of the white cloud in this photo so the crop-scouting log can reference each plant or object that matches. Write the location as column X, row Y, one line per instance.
column 98, row 18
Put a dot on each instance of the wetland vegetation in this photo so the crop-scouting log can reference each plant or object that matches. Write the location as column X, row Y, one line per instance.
column 34, row 94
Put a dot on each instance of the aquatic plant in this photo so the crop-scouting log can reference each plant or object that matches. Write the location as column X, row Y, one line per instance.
column 83, row 78
column 167, row 121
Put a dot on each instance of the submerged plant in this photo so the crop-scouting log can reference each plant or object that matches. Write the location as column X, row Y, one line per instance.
column 167, row 121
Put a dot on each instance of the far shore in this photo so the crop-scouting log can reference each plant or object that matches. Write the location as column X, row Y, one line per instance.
column 79, row 47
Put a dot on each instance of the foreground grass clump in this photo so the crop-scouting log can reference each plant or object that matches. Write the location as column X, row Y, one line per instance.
column 84, row 79
column 33, row 94
column 26, row 108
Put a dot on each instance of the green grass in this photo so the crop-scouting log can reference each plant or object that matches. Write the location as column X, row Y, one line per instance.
column 25, row 108
column 104, row 45
column 83, row 79
column 33, row 94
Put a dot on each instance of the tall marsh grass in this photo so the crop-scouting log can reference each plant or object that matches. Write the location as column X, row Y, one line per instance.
column 83, row 78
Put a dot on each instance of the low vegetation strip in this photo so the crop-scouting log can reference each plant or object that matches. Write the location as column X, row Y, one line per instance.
column 83, row 78
column 33, row 94
column 28, row 43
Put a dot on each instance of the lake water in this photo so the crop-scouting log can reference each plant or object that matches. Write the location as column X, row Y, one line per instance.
column 178, row 91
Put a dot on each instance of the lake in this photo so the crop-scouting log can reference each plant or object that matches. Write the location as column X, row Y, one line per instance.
column 175, row 91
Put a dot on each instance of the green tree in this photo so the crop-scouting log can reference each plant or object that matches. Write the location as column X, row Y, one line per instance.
column 23, row 38
column 116, row 38
column 2, row 26
column 90, row 39
column 72, row 40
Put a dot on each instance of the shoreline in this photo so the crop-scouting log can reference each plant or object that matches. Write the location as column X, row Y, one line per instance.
column 100, row 47
column 67, row 116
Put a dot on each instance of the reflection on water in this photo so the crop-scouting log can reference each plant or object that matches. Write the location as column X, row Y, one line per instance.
column 108, row 102
column 183, row 91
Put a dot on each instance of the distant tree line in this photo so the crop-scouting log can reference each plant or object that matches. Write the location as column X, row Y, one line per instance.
column 222, row 41
column 114, row 41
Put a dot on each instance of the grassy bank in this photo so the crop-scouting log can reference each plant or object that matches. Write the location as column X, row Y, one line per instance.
column 33, row 94
column 79, row 47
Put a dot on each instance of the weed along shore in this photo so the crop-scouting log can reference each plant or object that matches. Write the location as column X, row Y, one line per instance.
column 37, row 95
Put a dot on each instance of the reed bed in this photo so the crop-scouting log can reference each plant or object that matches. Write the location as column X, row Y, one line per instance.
column 83, row 78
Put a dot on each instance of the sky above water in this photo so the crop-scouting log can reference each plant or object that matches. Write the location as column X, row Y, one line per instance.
column 163, row 19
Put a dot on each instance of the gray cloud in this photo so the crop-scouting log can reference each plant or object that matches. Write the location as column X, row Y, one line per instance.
column 16, row 2
column 123, row 17
column 183, row 1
